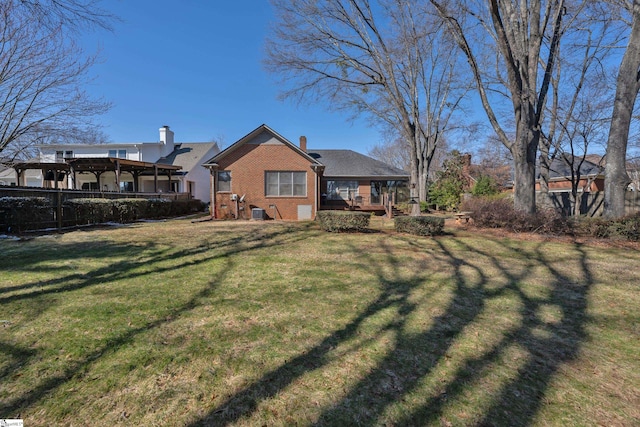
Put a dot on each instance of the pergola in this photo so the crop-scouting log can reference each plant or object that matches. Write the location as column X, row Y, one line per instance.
column 97, row 166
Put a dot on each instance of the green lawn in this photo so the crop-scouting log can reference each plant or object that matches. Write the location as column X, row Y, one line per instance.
column 263, row 323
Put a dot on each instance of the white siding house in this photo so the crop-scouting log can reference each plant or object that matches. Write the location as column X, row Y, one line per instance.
column 191, row 178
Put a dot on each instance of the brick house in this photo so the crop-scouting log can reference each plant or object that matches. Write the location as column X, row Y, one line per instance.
column 265, row 176
column 561, row 175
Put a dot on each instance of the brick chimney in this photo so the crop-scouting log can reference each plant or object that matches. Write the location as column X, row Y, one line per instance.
column 303, row 143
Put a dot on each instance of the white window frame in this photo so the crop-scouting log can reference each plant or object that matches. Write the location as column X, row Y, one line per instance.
column 218, row 180
column 285, row 184
column 120, row 154
column 342, row 189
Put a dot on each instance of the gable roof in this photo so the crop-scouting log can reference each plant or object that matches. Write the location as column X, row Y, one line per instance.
column 348, row 163
column 187, row 154
column 251, row 135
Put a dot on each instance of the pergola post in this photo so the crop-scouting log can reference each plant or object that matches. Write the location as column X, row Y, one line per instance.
column 136, row 183
column 155, row 178
column 117, row 171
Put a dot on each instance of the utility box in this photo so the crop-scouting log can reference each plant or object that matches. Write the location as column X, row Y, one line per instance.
column 257, row 213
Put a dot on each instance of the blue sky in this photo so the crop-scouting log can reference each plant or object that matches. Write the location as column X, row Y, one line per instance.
column 197, row 67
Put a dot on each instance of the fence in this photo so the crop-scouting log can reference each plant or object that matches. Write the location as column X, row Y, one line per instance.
column 57, row 214
column 592, row 204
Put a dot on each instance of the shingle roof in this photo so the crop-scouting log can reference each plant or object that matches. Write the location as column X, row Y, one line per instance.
column 348, row 163
column 560, row 168
column 187, row 154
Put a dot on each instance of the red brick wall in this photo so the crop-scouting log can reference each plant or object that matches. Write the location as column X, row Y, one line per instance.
column 596, row 185
column 248, row 164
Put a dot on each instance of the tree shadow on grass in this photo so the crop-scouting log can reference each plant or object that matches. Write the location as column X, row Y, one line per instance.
column 415, row 357
column 222, row 248
column 547, row 344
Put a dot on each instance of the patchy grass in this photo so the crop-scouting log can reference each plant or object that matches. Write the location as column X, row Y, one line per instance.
column 262, row 323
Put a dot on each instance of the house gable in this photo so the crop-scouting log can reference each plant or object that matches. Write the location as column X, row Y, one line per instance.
column 262, row 135
column 253, row 163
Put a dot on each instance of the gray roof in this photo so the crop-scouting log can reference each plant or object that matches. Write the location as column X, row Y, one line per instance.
column 561, row 168
column 187, row 154
column 348, row 163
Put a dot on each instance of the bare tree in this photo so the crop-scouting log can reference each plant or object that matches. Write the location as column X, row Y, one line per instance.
column 73, row 15
column 627, row 87
column 523, row 38
column 388, row 59
column 579, row 109
column 493, row 159
column 41, row 78
column 395, row 152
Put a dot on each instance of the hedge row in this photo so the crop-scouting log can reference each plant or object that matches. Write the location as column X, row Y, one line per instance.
column 18, row 214
column 95, row 211
column 343, row 221
column 419, row 225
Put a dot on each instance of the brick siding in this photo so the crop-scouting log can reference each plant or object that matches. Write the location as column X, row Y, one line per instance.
column 248, row 164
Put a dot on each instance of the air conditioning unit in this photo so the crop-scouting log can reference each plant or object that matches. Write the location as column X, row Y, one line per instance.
column 257, row 213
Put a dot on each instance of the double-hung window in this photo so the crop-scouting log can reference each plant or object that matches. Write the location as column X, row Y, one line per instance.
column 223, row 181
column 121, row 154
column 281, row 184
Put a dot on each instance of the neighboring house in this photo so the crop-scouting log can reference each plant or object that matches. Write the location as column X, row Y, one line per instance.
column 263, row 175
column 163, row 166
column 560, row 176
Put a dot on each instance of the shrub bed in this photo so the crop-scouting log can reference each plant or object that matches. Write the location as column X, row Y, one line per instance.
column 343, row 221
column 419, row 225
column 627, row 228
column 500, row 213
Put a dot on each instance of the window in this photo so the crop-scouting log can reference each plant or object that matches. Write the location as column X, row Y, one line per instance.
column 90, row 186
column 342, row 190
column 224, row 181
column 68, row 154
column 286, row 183
column 121, row 154
column 59, row 156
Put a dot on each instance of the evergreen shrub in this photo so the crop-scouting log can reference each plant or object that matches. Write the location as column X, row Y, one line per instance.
column 343, row 221
column 419, row 225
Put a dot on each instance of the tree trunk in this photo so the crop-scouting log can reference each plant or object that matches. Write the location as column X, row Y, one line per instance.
column 414, row 183
column 628, row 84
column 524, row 160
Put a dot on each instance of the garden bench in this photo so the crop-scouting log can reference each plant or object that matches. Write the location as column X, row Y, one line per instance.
column 463, row 215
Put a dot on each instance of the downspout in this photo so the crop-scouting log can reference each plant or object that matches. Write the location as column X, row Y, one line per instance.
column 212, row 191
